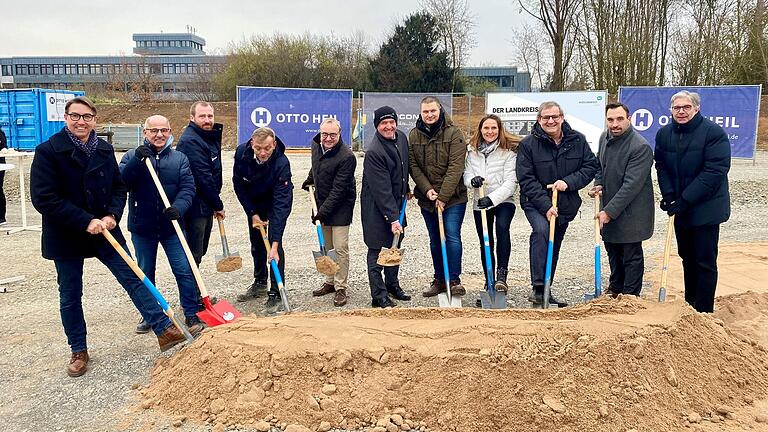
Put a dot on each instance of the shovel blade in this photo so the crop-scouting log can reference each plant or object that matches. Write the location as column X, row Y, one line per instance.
column 496, row 300
column 228, row 263
column 332, row 255
column 220, row 313
column 588, row 297
column 443, row 301
column 389, row 262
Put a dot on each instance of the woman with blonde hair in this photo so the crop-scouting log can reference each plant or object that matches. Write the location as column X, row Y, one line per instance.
column 491, row 158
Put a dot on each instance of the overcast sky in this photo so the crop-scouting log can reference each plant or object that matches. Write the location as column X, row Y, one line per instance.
column 99, row 27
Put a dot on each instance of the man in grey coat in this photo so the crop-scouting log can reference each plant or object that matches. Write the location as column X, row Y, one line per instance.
column 624, row 180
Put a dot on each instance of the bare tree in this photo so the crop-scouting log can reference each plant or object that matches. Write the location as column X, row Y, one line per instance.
column 532, row 53
column 456, row 23
column 559, row 19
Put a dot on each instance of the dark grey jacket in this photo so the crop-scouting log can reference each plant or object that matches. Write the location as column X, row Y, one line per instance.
column 625, row 174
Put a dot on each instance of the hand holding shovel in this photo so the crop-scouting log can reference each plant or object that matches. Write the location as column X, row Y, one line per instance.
column 325, row 260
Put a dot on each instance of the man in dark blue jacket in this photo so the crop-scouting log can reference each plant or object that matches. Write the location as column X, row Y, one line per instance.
column 262, row 182
column 552, row 154
column 693, row 157
column 75, row 184
column 149, row 221
column 201, row 143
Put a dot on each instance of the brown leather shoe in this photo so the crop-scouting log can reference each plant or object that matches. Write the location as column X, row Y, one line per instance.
column 323, row 290
column 340, row 299
column 435, row 288
column 78, row 364
column 457, row 289
column 172, row 336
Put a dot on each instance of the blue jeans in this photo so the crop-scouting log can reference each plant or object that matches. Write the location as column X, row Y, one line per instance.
column 146, row 256
column 540, row 243
column 453, row 217
column 70, row 279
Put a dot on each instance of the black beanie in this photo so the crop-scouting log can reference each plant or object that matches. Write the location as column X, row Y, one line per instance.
column 385, row 112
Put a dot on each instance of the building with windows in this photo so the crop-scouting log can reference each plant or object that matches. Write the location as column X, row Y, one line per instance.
column 505, row 77
column 166, row 65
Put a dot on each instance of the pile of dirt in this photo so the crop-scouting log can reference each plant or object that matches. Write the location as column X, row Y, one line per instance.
column 608, row 365
column 326, row 265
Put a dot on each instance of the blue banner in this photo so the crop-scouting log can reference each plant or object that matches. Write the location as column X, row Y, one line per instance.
column 406, row 105
column 294, row 114
column 735, row 108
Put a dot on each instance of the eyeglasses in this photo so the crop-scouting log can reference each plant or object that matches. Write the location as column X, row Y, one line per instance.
column 154, row 131
column 550, row 117
column 328, row 135
column 77, row 117
column 685, row 108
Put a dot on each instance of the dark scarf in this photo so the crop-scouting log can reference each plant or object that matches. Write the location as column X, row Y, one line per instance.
column 431, row 130
column 88, row 147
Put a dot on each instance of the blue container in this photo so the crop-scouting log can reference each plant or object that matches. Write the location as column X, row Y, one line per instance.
column 30, row 116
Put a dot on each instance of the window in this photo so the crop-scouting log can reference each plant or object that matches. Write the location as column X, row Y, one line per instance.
column 34, row 69
column 45, row 69
column 21, row 69
column 6, row 71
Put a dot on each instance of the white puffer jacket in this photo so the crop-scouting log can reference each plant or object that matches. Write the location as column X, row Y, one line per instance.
column 498, row 170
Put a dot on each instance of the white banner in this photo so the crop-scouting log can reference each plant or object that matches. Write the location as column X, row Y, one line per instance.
column 584, row 111
column 54, row 105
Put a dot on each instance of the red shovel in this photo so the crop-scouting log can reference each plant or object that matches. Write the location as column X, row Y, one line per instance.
column 220, row 313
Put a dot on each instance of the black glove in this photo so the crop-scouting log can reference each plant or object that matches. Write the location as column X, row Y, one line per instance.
column 477, row 181
column 307, row 183
column 664, row 205
column 143, row 152
column 484, row 202
column 676, row 207
column 172, row 213
column 315, row 218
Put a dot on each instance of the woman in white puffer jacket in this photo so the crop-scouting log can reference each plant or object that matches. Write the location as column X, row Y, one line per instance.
column 491, row 157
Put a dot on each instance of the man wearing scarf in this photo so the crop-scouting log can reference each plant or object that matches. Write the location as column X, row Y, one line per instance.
column 75, row 184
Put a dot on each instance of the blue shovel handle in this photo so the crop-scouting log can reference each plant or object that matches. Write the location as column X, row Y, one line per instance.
column 320, row 238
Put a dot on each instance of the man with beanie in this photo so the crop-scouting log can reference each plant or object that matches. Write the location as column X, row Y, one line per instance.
column 262, row 181
column 149, row 221
column 437, row 155
column 385, row 187
column 333, row 176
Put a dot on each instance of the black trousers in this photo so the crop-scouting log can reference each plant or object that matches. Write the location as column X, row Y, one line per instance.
column 627, row 267
column 539, row 245
column 697, row 247
column 379, row 285
column 260, row 264
column 499, row 219
column 198, row 232
column 2, row 197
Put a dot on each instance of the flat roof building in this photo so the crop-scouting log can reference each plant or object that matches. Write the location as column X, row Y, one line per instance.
column 505, row 77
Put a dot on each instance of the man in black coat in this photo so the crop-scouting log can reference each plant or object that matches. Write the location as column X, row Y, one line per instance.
column 385, row 187
column 262, row 182
column 693, row 157
column 553, row 154
column 626, row 216
column 201, row 143
column 75, row 184
column 333, row 176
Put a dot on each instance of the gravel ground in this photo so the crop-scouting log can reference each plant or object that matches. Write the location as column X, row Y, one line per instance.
column 38, row 395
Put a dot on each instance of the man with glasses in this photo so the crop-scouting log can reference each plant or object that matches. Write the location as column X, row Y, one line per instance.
column 149, row 221
column 333, row 176
column 76, row 186
column 693, row 157
column 553, row 154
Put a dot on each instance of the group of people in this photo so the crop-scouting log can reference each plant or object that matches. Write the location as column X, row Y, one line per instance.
column 80, row 190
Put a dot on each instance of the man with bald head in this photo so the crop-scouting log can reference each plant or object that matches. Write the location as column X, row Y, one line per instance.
column 149, row 221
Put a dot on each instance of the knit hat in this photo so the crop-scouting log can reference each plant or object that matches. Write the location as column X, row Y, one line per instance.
column 385, row 112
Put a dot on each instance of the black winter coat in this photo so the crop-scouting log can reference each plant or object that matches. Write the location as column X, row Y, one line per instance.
column 333, row 175
column 203, row 149
column 3, row 144
column 540, row 162
column 385, row 185
column 69, row 190
column 145, row 207
column 264, row 189
column 692, row 162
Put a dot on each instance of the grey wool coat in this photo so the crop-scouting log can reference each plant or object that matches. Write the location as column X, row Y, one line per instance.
column 625, row 174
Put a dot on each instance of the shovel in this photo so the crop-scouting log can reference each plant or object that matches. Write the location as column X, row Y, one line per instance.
column 228, row 261
column 445, row 299
column 220, row 313
column 665, row 265
column 550, row 251
column 275, row 271
column 491, row 298
column 390, row 257
column 150, row 286
column 598, row 265
column 325, row 260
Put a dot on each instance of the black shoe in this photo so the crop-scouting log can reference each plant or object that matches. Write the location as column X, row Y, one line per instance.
column 537, row 295
column 398, row 293
column 193, row 320
column 257, row 289
column 501, row 281
column 273, row 301
column 555, row 301
column 143, row 327
column 384, row 302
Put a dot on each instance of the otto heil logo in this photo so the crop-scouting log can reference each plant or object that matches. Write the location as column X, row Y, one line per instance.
column 642, row 119
column 261, row 117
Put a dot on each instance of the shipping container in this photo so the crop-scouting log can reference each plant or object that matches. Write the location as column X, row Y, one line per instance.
column 30, row 116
